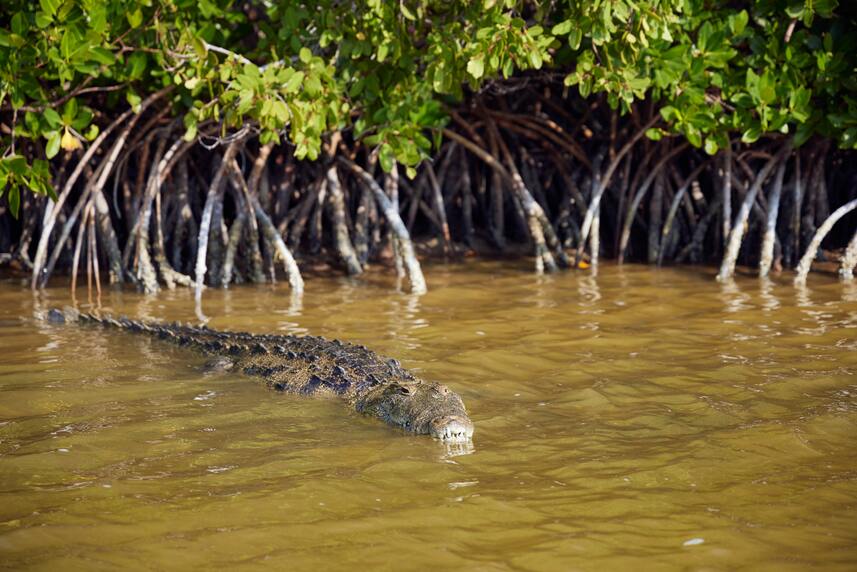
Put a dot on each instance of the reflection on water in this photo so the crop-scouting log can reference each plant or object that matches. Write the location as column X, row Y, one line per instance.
column 734, row 299
column 643, row 417
column 451, row 450
column 770, row 302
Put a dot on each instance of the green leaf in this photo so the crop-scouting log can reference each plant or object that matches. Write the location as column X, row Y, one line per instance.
column 802, row 134
column 66, row 44
column 383, row 49
column 69, row 111
column 693, row 135
column 535, row 58
column 312, row 152
column 82, row 118
column 406, row 12
column 31, row 120
column 575, row 36
column 190, row 134
column 639, row 84
column 738, row 22
column 135, row 18
column 767, row 88
column 799, row 100
column 752, row 134
column 19, row 24
column 386, row 157
column 743, row 100
column 305, row 55
column 720, row 58
column 655, row 134
column 133, row 100
column 711, row 146
column 670, row 113
column 91, row 133
column 198, row 46
column 102, row 56
column 312, row 85
column 43, row 20
column 14, row 198
column 752, row 84
column 268, row 136
column 476, row 67
column 281, row 110
column 49, row 7
column 825, row 8
column 137, row 65
column 795, row 8
column 294, row 83
column 676, row 55
column 41, row 168
column 562, row 28
column 53, row 146
column 16, row 164
column 705, row 33
column 585, row 87
column 245, row 101
column 808, row 16
column 508, row 67
column 52, row 117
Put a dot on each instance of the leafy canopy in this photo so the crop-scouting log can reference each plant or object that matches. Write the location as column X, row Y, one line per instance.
column 296, row 71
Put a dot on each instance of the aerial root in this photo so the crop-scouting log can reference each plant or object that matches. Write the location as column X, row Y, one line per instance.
column 566, row 186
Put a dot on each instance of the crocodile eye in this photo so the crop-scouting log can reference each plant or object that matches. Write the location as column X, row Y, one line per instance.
column 404, row 391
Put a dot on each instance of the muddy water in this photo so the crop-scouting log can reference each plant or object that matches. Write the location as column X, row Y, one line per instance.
column 653, row 419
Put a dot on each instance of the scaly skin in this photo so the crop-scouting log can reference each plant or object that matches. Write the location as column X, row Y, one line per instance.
column 308, row 365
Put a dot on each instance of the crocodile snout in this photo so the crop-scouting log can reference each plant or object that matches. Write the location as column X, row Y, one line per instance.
column 451, row 428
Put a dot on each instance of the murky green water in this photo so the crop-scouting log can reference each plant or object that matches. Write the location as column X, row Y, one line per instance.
column 653, row 419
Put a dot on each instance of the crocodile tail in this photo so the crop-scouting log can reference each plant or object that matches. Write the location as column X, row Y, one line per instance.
column 183, row 335
column 69, row 315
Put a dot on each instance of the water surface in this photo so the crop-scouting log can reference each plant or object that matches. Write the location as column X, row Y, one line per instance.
column 646, row 418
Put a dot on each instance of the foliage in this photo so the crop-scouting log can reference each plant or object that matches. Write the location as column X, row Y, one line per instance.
column 296, row 71
column 769, row 67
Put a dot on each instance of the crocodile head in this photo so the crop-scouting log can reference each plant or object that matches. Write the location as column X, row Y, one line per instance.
column 420, row 407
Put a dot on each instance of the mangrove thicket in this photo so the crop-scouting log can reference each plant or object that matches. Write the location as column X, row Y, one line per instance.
column 170, row 143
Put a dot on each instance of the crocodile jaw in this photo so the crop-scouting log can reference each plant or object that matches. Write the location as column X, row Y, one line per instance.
column 452, row 428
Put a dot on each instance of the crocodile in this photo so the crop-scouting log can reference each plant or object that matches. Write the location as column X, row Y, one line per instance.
column 371, row 384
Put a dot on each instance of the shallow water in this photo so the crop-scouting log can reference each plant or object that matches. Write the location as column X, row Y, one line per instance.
column 646, row 418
